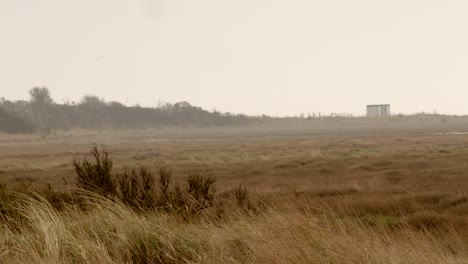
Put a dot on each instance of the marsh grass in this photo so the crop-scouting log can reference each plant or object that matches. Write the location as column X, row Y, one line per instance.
column 112, row 232
column 276, row 201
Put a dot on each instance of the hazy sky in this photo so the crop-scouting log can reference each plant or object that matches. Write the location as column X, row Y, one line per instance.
column 245, row 56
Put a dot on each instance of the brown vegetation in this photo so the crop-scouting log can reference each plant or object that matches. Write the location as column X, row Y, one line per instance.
column 303, row 199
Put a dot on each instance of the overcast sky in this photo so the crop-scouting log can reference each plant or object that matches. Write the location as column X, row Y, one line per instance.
column 244, row 56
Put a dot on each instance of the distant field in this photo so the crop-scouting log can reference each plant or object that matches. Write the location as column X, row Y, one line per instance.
column 334, row 194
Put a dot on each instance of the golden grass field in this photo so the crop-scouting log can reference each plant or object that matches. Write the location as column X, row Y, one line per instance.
column 314, row 197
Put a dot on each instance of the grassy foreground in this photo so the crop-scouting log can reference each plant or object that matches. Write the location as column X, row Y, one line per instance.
column 346, row 199
column 110, row 232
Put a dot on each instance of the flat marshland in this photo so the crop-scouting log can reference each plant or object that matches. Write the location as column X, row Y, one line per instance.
column 348, row 197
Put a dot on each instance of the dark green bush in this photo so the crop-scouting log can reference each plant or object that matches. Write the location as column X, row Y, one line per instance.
column 201, row 190
column 137, row 188
column 95, row 176
column 196, row 196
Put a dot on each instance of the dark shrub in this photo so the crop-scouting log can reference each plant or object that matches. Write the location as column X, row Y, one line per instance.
column 95, row 176
column 137, row 188
column 57, row 199
column 165, row 177
column 201, row 190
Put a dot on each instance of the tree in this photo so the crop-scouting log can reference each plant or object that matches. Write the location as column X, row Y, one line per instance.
column 12, row 123
column 41, row 95
column 91, row 100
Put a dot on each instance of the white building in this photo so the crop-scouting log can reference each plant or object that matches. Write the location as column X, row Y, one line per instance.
column 378, row 110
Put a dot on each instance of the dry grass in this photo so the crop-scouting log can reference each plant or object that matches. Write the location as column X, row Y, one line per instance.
column 306, row 199
column 111, row 232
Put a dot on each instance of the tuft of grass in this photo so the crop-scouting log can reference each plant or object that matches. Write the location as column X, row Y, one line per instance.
column 427, row 221
column 148, row 246
column 165, row 178
column 242, row 195
column 57, row 199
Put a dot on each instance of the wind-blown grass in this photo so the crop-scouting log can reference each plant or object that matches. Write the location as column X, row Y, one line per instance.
column 111, row 232
column 276, row 201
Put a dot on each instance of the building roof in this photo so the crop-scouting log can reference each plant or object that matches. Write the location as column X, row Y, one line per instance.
column 378, row 105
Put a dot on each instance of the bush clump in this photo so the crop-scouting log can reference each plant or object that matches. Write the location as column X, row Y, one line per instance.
column 96, row 176
column 136, row 187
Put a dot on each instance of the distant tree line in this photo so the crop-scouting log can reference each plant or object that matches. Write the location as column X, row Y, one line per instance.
column 41, row 113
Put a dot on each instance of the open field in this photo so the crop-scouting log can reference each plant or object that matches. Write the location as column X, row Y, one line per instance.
column 352, row 196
